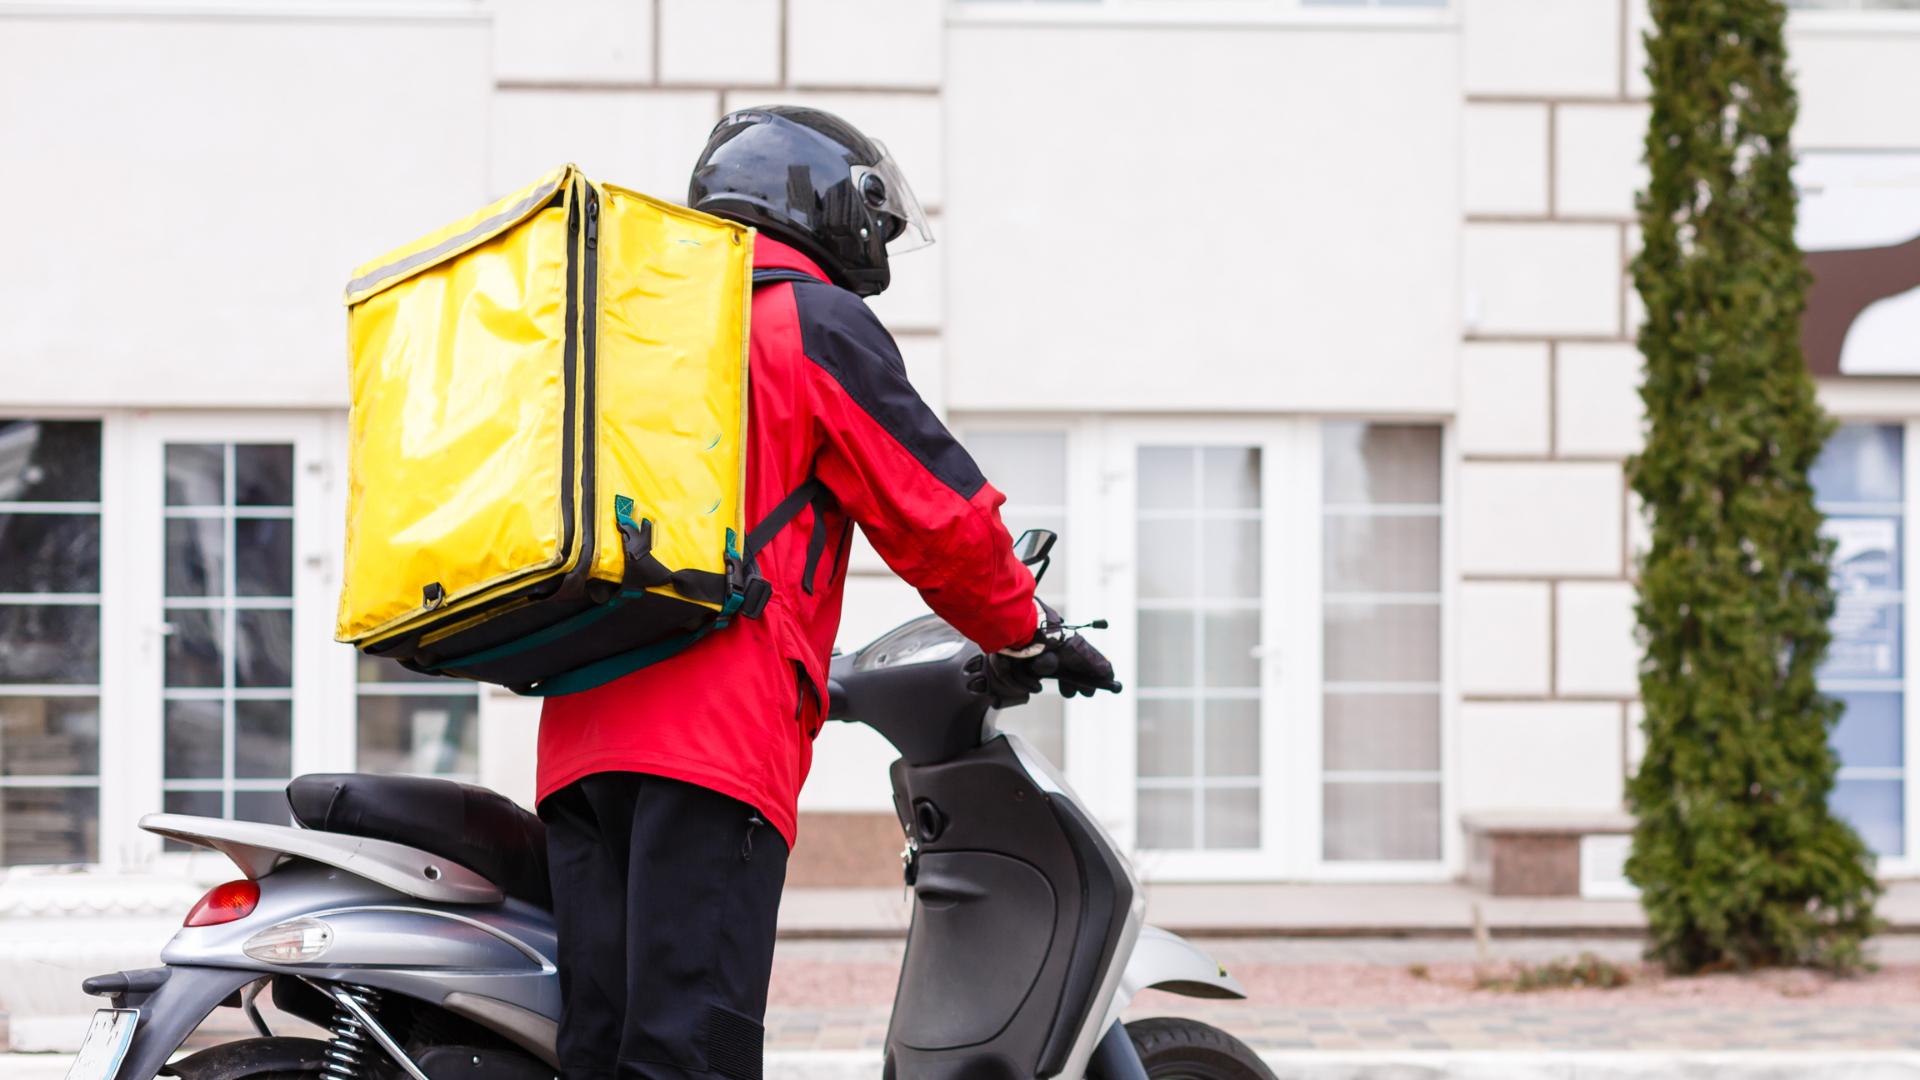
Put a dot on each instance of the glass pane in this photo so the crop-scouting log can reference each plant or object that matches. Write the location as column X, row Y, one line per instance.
column 1877, row 811
column 196, row 474
column 1166, row 648
column 263, row 474
column 267, row 807
column 1866, row 640
column 1233, row 738
column 1382, row 554
column 1231, row 637
column 1165, row 742
column 263, row 548
column 49, row 461
column 1230, row 477
column 1383, row 732
column 1167, row 478
column 53, row 644
column 1860, row 463
column 57, row 553
column 194, row 803
column 1869, row 732
column 1230, row 557
column 263, row 651
column 1166, row 819
column 1029, row 467
column 1167, row 560
column 1384, row 822
column 1381, row 463
column 1042, row 722
column 1382, row 642
column 49, row 825
column 49, row 736
column 1866, row 553
column 1233, row 818
column 195, row 747
column 195, row 648
column 377, row 669
column 262, row 739
column 196, row 557
column 419, row 734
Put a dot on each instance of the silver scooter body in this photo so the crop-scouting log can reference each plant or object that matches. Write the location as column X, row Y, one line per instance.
column 402, row 924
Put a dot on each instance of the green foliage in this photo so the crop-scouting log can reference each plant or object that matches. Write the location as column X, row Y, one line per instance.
column 1737, row 857
column 1583, row 972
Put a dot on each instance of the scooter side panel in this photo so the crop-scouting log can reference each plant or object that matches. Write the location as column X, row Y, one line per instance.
column 1166, row 961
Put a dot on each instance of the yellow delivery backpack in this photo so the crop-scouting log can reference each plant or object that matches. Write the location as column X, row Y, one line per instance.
column 548, row 439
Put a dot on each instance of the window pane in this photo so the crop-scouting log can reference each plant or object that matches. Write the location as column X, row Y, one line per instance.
column 263, row 651
column 52, row 644
column 49, row 461
column 1382, row 732
column 196, row 648
column 1232, row 737
column 379, row 669
column 49, row 825
column 1042, row 722
column 1877, row 811
column 196, row 474
column 1866, row 553
column 1231, row 637
column 1167, row 560
column 1029, row 467
column 1230, row 477
column 267, row 807
column 1860, row 463
column 195, row 740
column 438, row 734
column 264, row 550
column 262, row 739
column 49, row 736
column 1229, row 559
column 1381, row 463
column 196, row 557
column 1869, row 733
column 1387, row 822
column 1382, row 642
column 1365, row 553
column 263, row 474
column 1166, row 818
column 1166, row 648
column 1233, row 818
column 1866, row 640
column 1167, row 478
column 1165, row 739
column 54, row 553
column 196, row 803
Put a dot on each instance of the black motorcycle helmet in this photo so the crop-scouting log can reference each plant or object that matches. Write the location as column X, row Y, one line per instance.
column 812, row 180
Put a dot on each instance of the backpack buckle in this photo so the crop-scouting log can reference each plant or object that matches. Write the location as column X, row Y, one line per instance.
column 754, row 596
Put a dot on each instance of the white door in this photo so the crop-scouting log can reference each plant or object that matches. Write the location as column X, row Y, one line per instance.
column 230, row 599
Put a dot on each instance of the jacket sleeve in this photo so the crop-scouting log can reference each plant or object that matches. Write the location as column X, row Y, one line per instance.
column 898, row 471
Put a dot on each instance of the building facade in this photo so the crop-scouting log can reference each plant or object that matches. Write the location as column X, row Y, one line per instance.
column 1306, row 323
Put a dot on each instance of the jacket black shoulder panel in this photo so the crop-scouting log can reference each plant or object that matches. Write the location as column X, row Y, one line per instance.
column 842, row 335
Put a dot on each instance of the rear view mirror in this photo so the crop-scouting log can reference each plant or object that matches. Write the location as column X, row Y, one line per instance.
column 1033, row 548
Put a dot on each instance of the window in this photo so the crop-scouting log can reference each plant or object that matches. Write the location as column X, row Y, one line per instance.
column 1860, row 485
column 228, row 666
column 412, row 723
column 1198, row 525
column 50, row 675
column 1381, row 659
column 1030, row 469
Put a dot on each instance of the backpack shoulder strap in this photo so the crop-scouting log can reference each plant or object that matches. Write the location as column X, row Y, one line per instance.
column 780, row 517
column 775, row 275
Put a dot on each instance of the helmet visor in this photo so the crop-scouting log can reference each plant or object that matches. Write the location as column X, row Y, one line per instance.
column 888, row 195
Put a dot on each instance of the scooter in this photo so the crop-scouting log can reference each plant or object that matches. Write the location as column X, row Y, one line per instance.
column 409, row 918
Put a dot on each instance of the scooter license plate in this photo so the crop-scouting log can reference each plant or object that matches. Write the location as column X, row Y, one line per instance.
column 108, row 1037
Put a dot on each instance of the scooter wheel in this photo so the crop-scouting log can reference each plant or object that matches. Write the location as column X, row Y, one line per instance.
column 1172, row 1048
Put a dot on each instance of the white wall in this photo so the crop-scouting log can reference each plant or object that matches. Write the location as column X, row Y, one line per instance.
column 1182, row 218
column 186, row 195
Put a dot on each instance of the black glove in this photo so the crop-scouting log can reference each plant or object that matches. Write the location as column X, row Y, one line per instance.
column 1013, row 675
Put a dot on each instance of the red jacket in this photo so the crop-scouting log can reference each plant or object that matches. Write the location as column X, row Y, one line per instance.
column 829, row 398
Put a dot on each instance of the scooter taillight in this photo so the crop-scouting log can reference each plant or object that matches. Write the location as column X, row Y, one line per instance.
column 225, row 903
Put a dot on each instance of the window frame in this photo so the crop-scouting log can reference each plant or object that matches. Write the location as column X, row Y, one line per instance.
column 1364, row 14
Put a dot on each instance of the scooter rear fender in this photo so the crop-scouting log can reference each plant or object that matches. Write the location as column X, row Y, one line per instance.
column 170, row 1012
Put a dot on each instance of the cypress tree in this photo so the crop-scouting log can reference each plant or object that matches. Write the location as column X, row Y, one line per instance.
column 1738, row 859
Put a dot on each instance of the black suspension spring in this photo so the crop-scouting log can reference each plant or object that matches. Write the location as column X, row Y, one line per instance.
column 351, row 1049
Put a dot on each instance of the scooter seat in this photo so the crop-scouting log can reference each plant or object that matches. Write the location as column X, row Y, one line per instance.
column 482, row 830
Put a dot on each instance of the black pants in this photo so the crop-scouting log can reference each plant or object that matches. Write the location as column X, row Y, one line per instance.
column 664, row 894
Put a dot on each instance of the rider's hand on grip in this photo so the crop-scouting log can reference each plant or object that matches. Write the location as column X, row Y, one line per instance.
column 1055, row 653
